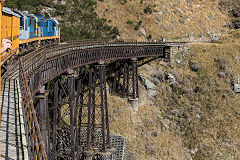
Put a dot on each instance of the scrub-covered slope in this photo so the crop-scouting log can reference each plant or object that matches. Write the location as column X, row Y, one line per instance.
column 188, row 109
column 174, row 19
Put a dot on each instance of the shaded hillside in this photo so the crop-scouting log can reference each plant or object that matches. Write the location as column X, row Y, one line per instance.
column 78, row 19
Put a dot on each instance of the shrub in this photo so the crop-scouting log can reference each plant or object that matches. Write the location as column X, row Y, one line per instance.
column 130, row 22
column 148, row 10
column 138, row 25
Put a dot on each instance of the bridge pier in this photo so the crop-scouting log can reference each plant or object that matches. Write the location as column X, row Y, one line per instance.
column 134, row 100
column 55, row 116
column 128, row 87
column 71, row 94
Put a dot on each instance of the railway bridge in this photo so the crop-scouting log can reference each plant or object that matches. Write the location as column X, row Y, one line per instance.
column 54, row 100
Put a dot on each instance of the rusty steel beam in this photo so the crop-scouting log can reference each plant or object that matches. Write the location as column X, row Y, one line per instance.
column 43, row 114
column 134, row 78
column 71, row 91
column 102, row 106
column 55, row 116
column 106, row 105
column 78, row 109
column 89, row 108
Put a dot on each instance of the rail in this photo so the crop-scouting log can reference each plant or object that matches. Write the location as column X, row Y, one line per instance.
column 37, row 147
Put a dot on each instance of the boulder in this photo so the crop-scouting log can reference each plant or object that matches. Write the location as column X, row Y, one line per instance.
column 187, row 91
column 151, row 148
column 152, row 94
column 170, row 78
column 221, row 75
column 236, row 86
column 186, row 81
column 165, row 27
column 155, row 133
column 156, row 81
column 236, row 23
column 174, row 85
column 195, row 66
column 160, row 75
column 142, row 32
column 236, row 11
column 148, row 84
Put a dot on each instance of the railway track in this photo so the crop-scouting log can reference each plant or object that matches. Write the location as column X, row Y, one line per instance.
column 13, row 144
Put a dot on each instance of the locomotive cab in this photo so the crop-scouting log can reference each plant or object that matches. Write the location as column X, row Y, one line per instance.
column 52, row 28
column 42, row 26
column 33, row 26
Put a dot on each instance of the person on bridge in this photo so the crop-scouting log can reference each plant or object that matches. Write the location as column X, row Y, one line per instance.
column 5, row 45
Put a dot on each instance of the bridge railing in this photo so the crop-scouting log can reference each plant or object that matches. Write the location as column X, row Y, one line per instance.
column 36, row 146
column 46, row 63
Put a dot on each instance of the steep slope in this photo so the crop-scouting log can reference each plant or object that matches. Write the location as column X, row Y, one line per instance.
column 174, row 19
column 195, row 114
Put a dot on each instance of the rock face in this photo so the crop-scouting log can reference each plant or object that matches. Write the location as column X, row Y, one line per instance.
column 236, row 23
column 221, row 75
column 160, row 75
column 170, row 78
column 195, row 66
column 148, row 84
column 151, row 148
column 236, row 86
column 142, row 32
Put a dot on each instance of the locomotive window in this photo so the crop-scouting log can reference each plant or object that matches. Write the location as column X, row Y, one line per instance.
column 54, row 26
column 30, row 22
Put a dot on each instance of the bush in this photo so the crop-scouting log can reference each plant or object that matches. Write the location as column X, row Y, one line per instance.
column 148, row 10
column 130, row 22
column 138, row 25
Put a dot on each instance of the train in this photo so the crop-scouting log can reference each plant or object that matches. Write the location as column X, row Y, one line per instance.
column 27, row 32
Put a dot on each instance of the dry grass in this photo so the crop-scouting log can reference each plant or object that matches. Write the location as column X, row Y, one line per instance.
column 213, row 135
column 199, row 18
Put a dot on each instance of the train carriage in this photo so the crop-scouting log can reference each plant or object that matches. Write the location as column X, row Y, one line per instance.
column 10, row 30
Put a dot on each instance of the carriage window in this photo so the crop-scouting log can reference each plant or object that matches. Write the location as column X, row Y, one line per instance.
column 21, row 23
column 26, row 24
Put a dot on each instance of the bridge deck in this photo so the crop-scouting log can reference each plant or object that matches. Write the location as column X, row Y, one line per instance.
column 12, row 134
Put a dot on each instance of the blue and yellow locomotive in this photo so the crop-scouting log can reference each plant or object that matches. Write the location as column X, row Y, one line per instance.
column 27, row 31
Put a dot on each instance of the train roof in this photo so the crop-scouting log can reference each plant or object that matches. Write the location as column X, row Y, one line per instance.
column 10, row 12
column 20, row 13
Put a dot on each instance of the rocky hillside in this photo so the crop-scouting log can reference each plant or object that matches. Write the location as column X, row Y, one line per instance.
column 188, row 109
column 182, row 19
column 186, row 20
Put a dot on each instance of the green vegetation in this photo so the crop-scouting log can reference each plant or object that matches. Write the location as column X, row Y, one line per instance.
column 138, row 25
column 129, row 22
column 77, row 22
column 148, row 10
column 29, row 5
